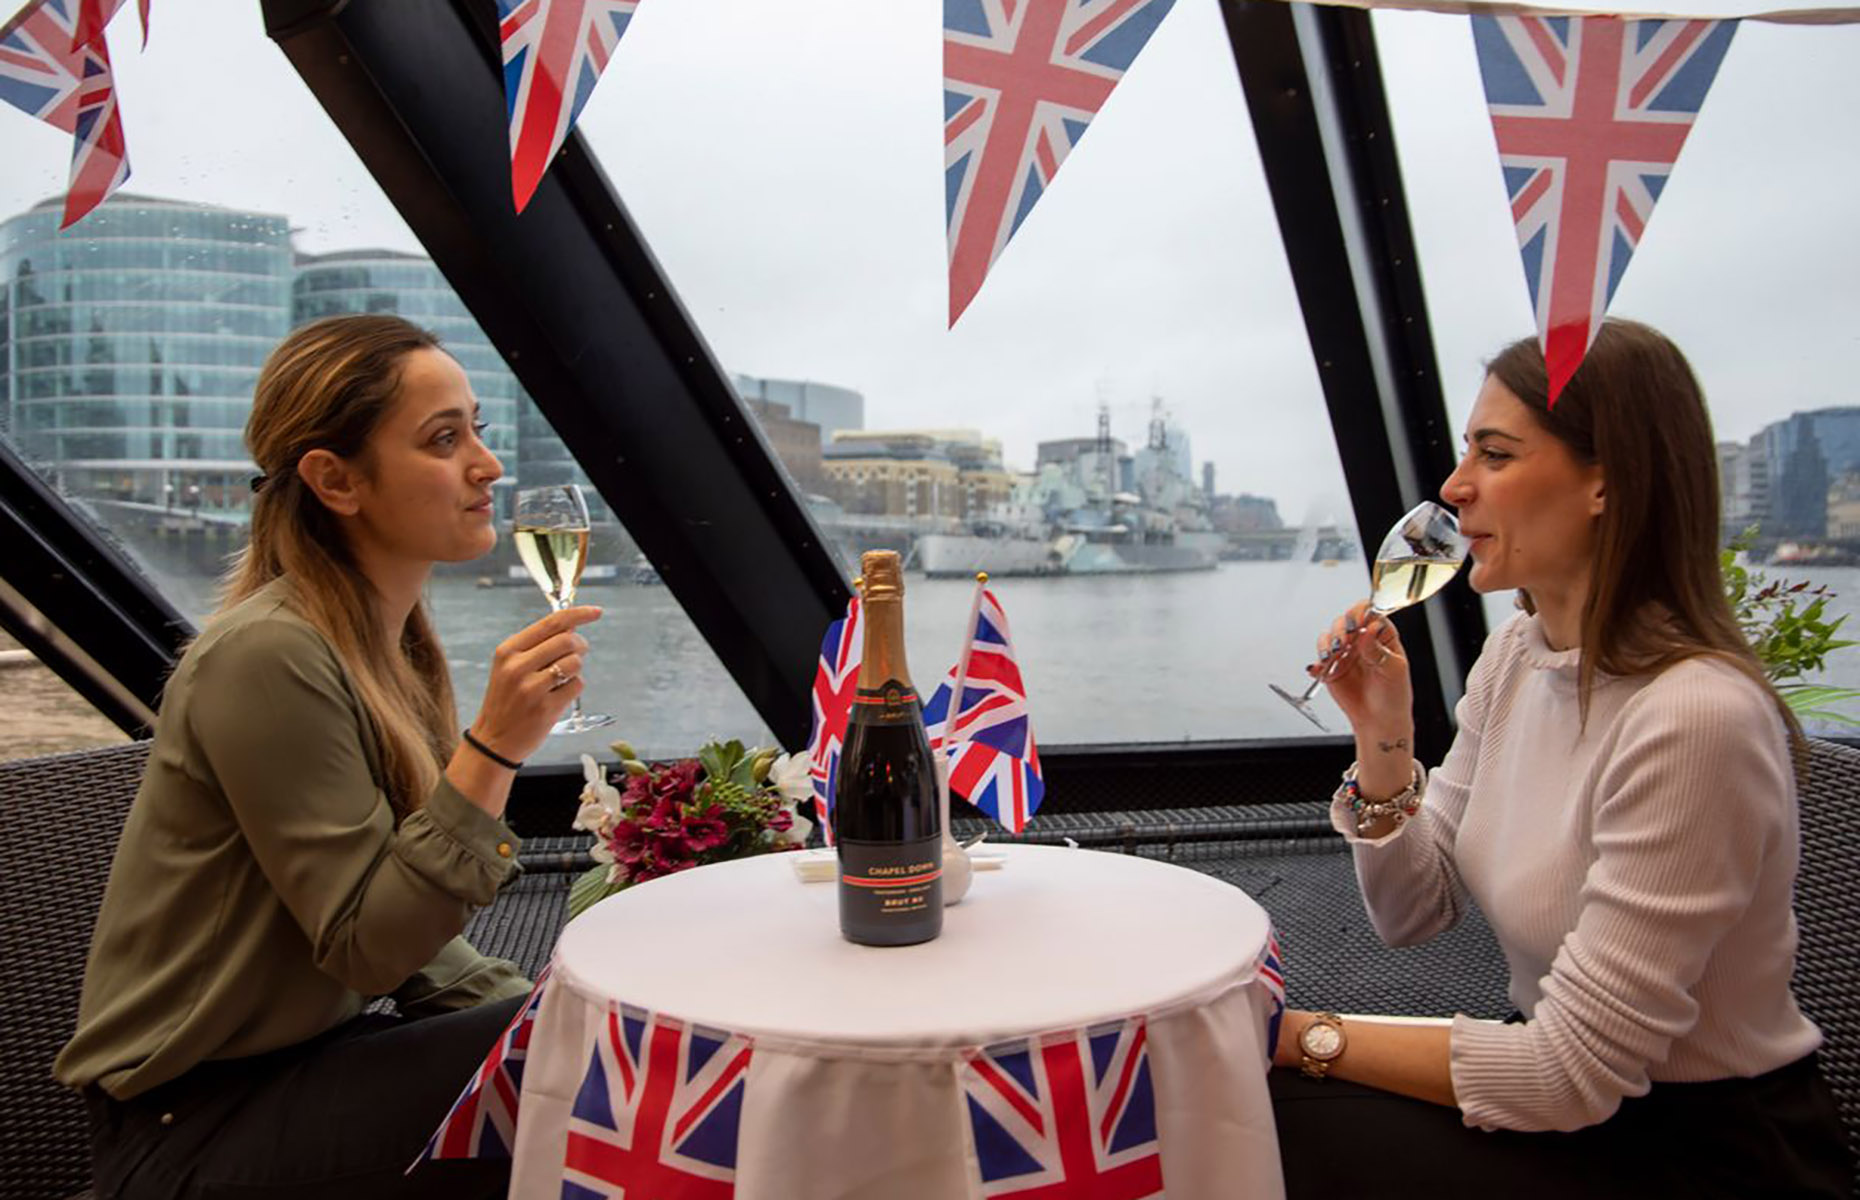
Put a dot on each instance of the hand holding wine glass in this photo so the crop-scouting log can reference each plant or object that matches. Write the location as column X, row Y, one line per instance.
column 1416, row 559
column 551, row 530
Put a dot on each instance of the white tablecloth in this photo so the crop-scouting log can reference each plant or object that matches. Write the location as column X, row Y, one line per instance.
column 1083, row 1014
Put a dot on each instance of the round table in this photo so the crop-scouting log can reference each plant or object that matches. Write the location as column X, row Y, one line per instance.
column 1084, row 1016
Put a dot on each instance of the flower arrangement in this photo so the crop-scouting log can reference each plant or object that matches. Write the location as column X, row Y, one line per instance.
column 728, row 802
column 1789, row 628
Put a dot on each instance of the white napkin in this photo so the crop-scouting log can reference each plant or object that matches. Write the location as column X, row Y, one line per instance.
column 823, row 865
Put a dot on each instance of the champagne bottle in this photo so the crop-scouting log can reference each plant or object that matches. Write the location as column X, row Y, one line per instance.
column 885, row 818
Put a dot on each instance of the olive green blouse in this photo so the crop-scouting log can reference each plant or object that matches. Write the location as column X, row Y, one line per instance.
column 262, row 891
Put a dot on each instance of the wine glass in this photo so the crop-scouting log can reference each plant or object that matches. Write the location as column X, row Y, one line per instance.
column 1415, row 560
column 551, row 530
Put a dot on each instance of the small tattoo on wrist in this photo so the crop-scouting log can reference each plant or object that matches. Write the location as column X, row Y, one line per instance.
column 1391, row 747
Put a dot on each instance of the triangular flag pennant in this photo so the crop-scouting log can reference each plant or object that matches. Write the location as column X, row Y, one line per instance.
column 92, row 17
column 67, row 84
column 1022, row 80
column 1590, row 115
column 554, row 53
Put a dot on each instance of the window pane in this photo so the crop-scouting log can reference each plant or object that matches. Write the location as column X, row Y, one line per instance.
column 1748, row 264
column 799, row 211
column 40, row 714
column 130, row 344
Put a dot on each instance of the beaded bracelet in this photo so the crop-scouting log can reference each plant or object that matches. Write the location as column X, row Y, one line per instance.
column 1401, row 805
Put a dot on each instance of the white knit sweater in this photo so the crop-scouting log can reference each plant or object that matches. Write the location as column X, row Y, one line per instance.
column 1638, row 875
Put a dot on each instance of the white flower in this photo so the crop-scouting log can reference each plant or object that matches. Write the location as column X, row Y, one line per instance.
column 788, row 775
column 600, row 807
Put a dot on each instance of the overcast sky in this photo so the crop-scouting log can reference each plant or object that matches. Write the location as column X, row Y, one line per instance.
column 785, row 164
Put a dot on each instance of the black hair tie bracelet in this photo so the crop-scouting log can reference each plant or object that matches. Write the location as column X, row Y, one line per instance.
column 489, row 753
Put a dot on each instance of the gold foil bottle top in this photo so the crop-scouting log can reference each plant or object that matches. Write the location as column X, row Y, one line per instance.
column 883, row 573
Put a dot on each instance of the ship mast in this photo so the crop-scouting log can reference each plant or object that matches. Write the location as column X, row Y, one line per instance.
column 1107, row 460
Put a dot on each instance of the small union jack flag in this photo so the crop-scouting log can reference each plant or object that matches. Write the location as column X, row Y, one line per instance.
column 1070, row 1116
column 836, row 680
column 1271, row 972
column 1590, row 115
column 1022, row 80
column 554, row 53
column 483, row 1120
column 657, row 1113
column 993, row 759
column 69, row 88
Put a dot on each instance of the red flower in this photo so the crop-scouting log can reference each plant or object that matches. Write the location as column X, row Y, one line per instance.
column 670, row 822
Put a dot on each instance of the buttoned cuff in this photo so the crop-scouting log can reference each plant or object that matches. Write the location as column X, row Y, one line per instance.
column 460, row 847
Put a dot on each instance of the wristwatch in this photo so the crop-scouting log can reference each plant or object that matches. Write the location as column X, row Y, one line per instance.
column 1321, row 1043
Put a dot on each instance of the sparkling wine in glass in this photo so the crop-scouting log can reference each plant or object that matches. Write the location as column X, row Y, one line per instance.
column 552, row 540
column 1415, row 560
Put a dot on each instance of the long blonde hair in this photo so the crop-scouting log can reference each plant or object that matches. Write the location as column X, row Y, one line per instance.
column 328, row 386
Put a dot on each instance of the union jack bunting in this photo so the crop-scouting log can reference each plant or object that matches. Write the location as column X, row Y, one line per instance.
column 1271, row 973
column 657, row 1113
column 1590, row 115
column 1070, row 1116
column 94, row 15
column 554, row 53
column 483, row 1120
column 69, row 88
column 993, row 759
column 836, row 679
column 1022, row 80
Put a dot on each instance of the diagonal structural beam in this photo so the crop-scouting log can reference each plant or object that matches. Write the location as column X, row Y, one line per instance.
column 1314, row 89
column 571, row 296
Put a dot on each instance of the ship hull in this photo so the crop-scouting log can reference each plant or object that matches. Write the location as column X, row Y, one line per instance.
column 945, row 556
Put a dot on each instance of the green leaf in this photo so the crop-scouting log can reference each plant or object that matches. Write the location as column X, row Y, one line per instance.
column 589, row 888
column 1825, row 714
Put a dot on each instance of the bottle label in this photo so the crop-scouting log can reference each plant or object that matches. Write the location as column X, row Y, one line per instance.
column 888, row 881
column 889, row 704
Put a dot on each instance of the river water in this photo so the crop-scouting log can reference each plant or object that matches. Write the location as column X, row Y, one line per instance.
column 1149, row 658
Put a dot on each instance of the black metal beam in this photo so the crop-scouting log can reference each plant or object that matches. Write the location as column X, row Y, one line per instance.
column 71, row 576
column 569, row 293
column 1314, row 88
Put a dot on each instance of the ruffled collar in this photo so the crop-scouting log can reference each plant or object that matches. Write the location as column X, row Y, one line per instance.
column 1536, row 651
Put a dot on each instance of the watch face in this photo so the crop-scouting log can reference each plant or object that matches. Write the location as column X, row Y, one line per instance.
column 1322, row 1041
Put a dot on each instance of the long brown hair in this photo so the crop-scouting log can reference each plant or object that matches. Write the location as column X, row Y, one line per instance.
column 328, row 386
column 1656, row 592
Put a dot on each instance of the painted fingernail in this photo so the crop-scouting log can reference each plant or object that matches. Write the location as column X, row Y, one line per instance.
column 1324, row 656
column 1349, row 624
column 1336, row 643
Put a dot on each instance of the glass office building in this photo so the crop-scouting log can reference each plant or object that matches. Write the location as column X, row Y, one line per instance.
column 129, row 346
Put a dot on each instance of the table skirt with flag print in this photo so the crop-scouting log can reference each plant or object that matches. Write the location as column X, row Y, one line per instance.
column 594, row 1097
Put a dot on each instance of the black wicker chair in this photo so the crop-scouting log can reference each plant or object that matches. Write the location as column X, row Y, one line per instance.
column 62, row 813
column 1827, row 907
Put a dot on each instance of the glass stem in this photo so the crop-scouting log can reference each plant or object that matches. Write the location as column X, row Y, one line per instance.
column 575, row 721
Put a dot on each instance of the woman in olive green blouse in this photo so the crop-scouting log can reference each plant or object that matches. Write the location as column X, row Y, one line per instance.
column 311, row 831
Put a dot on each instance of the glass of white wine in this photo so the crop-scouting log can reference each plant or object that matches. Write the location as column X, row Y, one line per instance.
column 552, row 539
column 1415, row 560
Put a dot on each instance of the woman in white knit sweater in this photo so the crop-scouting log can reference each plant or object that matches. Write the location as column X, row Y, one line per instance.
column 1620, row 804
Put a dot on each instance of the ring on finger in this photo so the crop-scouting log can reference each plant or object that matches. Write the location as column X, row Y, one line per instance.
column 561, row 679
